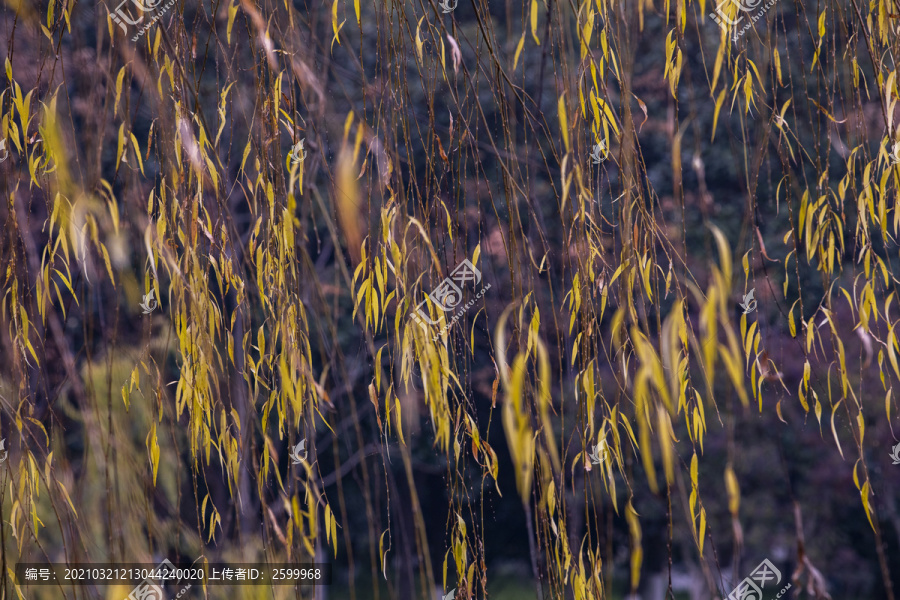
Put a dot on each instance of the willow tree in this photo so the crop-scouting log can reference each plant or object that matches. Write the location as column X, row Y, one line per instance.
column 602, row 288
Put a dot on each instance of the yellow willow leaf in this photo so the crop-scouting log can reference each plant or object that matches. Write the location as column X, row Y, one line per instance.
column 347, row 201
column 700, row 419
column 887, row 404
column 818, row 410
column 550, row 494
column 119, row 79
column 581, row 97
column 733, row 368
column 804, row 385
column 109, row 25
column 892, row 354
column 245, row 155
column 724, row 254
column 500, row 336
column 399, row 420
column 212, row 524
column 642, row 398
column 334, row 25
column 121, row 145
column 637, row 553
column 834, row 429
column 519, row 48
column 604, row 44
column 791, row 323
column 108, row 264
column 608, row 113
column 734, row 492
column 595, row 108
column 702, row 534
column 232, row 13
column 544, row 398
column 68, row 498
column 861, row 423
column 419, row 42
column 563, row 121
column 586, row 34
column 776, row 60
column 334, row 526
column 517, row 427
column 296, row 513
column 327, row 523
column 43, row 430
column 748, row 339
column 153, row 447
column 717, row 70
column 694, row 470
column 665, row 442
column 203, row 511
column 446, row 558
column 534, row 21
column 137, row 151
column 864, row 494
